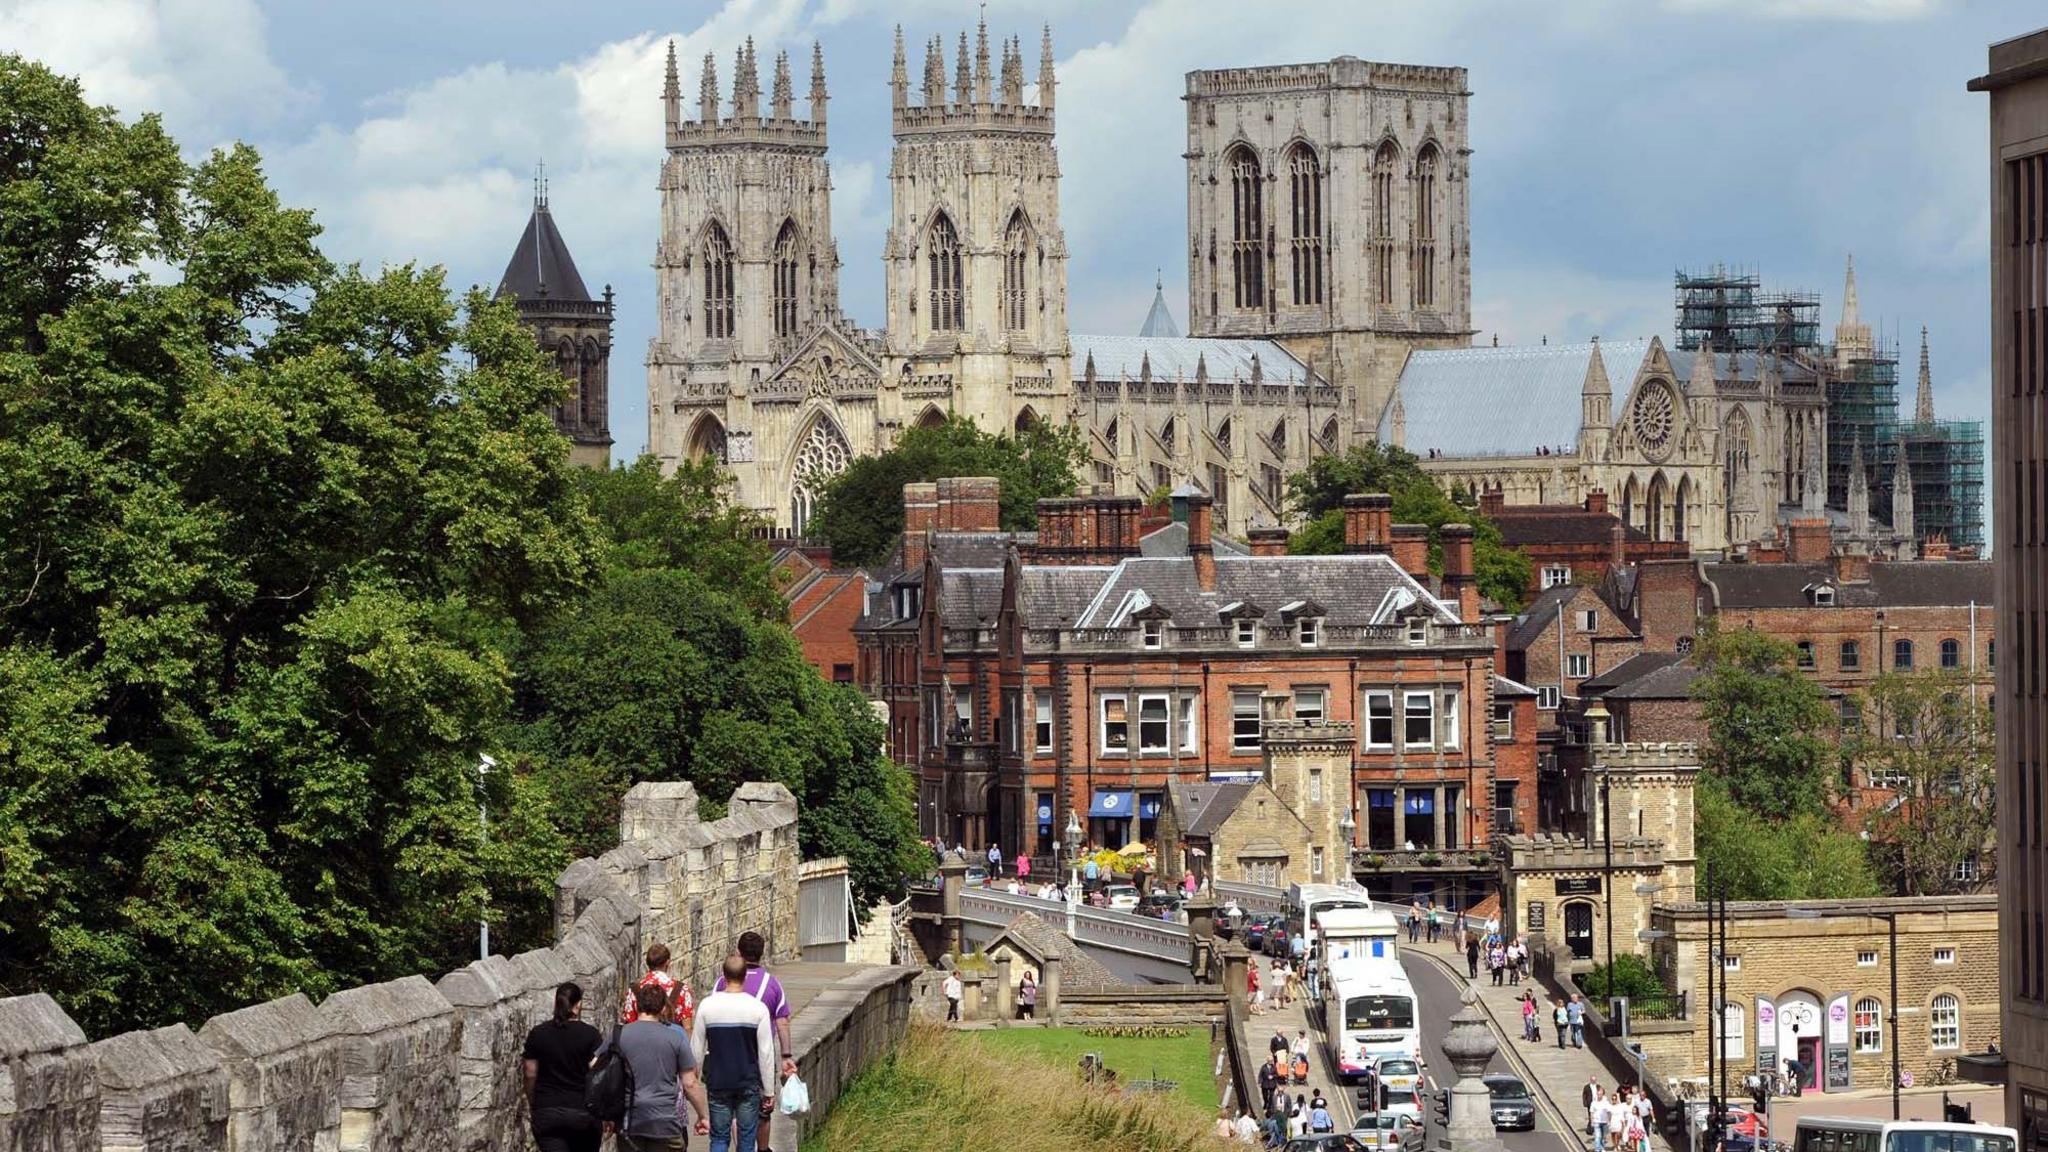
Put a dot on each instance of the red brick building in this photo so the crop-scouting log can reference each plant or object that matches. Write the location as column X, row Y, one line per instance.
column 1570, row 543
column 1083, row 668
column 823, row 604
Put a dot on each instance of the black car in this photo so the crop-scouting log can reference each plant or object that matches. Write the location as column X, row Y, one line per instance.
column 1255, row 933
column 1278, row 942
column 1513, row 1106
column 1157, row 904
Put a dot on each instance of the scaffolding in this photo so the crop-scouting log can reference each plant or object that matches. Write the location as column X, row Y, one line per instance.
column 1863, row 413
column 1727, row 307
column 1946, row 458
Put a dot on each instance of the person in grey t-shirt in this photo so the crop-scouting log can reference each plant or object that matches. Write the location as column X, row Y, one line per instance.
column 663, row 1067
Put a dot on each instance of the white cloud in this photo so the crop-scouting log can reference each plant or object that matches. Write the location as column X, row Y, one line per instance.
column 204, row 64
column 1813, row 9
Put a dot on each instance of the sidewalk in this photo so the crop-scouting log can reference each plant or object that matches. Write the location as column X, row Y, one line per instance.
column 1559, row 1074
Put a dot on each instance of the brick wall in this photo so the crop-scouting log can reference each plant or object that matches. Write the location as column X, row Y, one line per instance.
column 1547, row 660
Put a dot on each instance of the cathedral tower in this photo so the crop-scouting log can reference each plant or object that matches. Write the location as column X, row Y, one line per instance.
column 975, row 263
column 747, row 288
column 552, row 301
column 1327, row 209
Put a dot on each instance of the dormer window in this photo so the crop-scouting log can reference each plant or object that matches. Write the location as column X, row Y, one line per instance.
column 1418, row 629
column 1310, row 630
column 1247, row 632
column 1153, row 633
column 1823, row 596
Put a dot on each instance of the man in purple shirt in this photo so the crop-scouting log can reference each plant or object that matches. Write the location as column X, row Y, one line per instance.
column 762, row 985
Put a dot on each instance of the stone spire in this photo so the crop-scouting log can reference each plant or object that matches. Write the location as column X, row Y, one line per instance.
column 1859, row 493
column 1813, row 497
column 1902, row 504
column 1852, row 336
column 935, row 73
column 963, row 80
column 1849, row 309
column 818, row 96
column 746, row 84
column 1159, row 321
column 1596, row 395
column 671, row 92
column 707, row 92
column 1398, row 417
column 981, row 72
column 899, row 76
column 1923, row 402
column 1045, row 80
column 783, row 95
column 1013, row 72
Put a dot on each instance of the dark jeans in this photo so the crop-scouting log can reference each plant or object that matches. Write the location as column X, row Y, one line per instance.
column 653, row 1143
column 730, row 1108
column 952, row 1009
column 566, row 1130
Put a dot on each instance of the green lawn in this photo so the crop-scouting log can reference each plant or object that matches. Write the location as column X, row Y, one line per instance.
column 1185, row 1059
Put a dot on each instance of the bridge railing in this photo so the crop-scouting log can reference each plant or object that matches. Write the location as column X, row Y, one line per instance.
column 1121, row 931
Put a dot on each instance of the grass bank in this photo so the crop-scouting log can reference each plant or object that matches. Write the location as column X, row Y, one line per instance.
column 951, row 1092
column 1183, row 1059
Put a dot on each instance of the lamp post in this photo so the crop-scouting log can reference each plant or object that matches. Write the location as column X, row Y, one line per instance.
column 484, row 764
column 1891, row 923
column 1346, row 829
column 1073, row 832
column 1607, row 880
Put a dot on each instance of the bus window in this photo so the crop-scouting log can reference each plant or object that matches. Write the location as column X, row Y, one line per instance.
column 1379, row 1012
column 1947, row 1140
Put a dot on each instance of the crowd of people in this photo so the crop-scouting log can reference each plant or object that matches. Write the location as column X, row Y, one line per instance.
column 1620, row 1122
column 1291, row 1112
column 710, row 1066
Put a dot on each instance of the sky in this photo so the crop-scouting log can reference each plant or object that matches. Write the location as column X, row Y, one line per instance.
column 1614, row 141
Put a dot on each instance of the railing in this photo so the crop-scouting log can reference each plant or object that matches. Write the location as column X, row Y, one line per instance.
column 1094, row 927
column 1660, row 1005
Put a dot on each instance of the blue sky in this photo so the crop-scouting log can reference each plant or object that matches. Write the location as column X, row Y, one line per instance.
column 1614, row 140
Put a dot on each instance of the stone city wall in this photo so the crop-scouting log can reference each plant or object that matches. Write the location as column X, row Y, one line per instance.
column 429, row 1065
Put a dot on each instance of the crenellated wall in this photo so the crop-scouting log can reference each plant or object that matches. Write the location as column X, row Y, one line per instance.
column 427, row 1065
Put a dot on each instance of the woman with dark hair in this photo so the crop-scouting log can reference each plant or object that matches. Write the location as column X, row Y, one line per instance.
column 556, row 1060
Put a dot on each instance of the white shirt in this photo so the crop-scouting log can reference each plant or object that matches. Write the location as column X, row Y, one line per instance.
column 1247, row 1128
column 952, row 986
column 1600, row 1112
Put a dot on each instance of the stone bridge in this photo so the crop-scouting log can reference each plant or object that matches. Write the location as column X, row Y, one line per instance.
column 433, row 1065
column 1137, row 948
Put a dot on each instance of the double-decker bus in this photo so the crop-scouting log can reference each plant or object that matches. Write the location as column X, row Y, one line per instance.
column 1369, row 1011
column 1859, row 1134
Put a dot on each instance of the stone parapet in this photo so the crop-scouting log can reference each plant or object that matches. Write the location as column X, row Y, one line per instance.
column 49, row 1092
column 161, row 1089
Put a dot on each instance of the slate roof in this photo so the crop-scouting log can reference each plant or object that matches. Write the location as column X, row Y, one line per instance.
column 1175, row 358
column 540, row 264
column 1172, row 540
column 1201, row 808
column 1532, row 620
column 1468, row 402
column 1039, row 939
column 1504, row 688
column 1524, row 525
column 1159, row 321
column 1351, row 589
column 1747, row 364
column 1892, row 584
column 1671, row 682
column 1628, row 671
column 970, row 597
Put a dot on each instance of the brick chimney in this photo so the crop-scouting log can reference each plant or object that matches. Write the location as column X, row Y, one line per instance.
column 1491, row 501
column 1596, row 501
column 1368, row 521
column 920, row 516
column 1461, row 579
column 1935, row 548
column 1808, row 541
column 1852, row 568
column 1618, row 548
column 1116, row 526
column 1411, row 550
column 1269, row 541
column 1200, row 544
column 969, row 503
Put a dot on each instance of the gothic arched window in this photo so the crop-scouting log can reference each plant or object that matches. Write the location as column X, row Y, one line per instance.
column 824, row 454
column 942, row 253
column 717, row 283
column 591, row 377
column 1247, row 228
column 707, row 442
column 1425, row 226
column 1629, row 495
column 1653, row 507
column 1016, row 255
column 786, row 260
column 1678, row 508
column 1167, row 435
column 1735, row 446
column 1384, row 164
column 1305, row 182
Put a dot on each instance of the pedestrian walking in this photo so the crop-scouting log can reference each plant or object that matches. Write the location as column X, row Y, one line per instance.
column 1279, row 1045
column 1620, row 1114
column 1252, row 991
column 555, row 1062
column 675, row 993
column 1301, row 1056
column 664, row 1068
column 1646, row 1118
column 1597, row 1120
column 1027, row 996
column 1528, row 1017
column 953, row 990
column 1247, row 1128
column 736, row 1034
column 1320, row 1122
column 1560, row 1020
column 1023, row 867
column 1575, row 1012
column 1472, row 956
column 1592, row 1096
column 995, row 861
column 1514, row 963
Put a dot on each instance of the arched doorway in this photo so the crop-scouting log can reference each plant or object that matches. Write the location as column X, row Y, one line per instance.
column 1578, row 929
column 1026, row 421
column 931, row 417
column 1800, row 1034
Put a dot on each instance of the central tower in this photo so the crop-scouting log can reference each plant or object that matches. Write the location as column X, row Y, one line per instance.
column 975, row 262
column 1327, row 210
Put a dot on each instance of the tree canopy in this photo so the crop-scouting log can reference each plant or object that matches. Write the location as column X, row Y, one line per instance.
column 284, row 548
column 861, row 515
column 1927, row 736
column 1317, row 493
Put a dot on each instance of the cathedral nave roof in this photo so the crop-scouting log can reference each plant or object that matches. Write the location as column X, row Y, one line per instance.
column 1510, row 401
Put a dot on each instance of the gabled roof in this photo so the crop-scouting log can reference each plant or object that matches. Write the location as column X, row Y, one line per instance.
column 1467, row 402
column 1532, row 620
column 1523, row 525
column 1172, row 540
column 1201, row 807
column 540, row 267
column 1175, row 358
column 1038, row 939
column 1892, row 584
column 1628, row 671
column 1504, row 688
column 1670, row 682
column 1349, row 588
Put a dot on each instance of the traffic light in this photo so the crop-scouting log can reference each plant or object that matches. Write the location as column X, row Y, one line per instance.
column 1443, row 1107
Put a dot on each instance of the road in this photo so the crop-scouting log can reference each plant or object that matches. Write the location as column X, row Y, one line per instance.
column 1438, row 994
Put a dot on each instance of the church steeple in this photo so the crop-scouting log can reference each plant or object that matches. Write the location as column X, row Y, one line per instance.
column 575, row 330
column 746, row 85
column 671, row 93
column 981, row 72
column 935, row 73
column 899, row 74
column 1923, row 402
column 784, row 96
column 1045, row 80
column 1852, row 336
column 1596, row 394
column 1902, row 504
column 1159, row 321
column 963, row 80
column 707, row 92
column 818, row 96
column 1013, row 72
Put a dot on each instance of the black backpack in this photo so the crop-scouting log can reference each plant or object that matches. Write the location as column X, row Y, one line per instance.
column 608, row 1089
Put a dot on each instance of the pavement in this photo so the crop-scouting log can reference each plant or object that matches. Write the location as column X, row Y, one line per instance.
column 1440, row 992
column 1292, row 1020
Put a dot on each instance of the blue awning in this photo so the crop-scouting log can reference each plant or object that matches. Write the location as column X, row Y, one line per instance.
column 1111, row 804
column 1045, row 813
column 1148, row 805
column 1421, row 803
column 1380, row 797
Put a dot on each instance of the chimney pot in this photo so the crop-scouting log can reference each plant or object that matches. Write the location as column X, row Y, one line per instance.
column 1269, row 541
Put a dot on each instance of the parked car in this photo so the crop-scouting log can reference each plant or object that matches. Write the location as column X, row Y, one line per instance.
column 977, row 876
column 1160, row 904
column 1123, row 896
column 1513, row 1106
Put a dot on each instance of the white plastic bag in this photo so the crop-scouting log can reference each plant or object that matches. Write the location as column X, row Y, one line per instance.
column 795, row 1097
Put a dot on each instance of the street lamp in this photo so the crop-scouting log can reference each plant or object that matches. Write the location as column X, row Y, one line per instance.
column 1073, row 832
column 1891, row 922
column 484, row 764
column 1346, row 829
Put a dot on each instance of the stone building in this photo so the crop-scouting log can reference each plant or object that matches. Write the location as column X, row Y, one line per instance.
column 2017, row 81
column 542, row 279
column 1328, row 209
column 1243, row 833
column 1817, row 987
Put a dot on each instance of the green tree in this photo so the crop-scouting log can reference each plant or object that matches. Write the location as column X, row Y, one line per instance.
column 1318, row 491
column 861, row 515
column 1930, row 741
column 1770, row 732
column 1810, row 856
column 686, row 520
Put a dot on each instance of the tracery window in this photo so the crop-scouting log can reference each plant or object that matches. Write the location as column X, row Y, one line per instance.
column 1384, row 165
column 1425, row 228
column 1016, row 251
column 785, row 279
column 1305, row 182
column 942, row 251
column 824, row 454
column 717, row 283
column 1247, row 229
